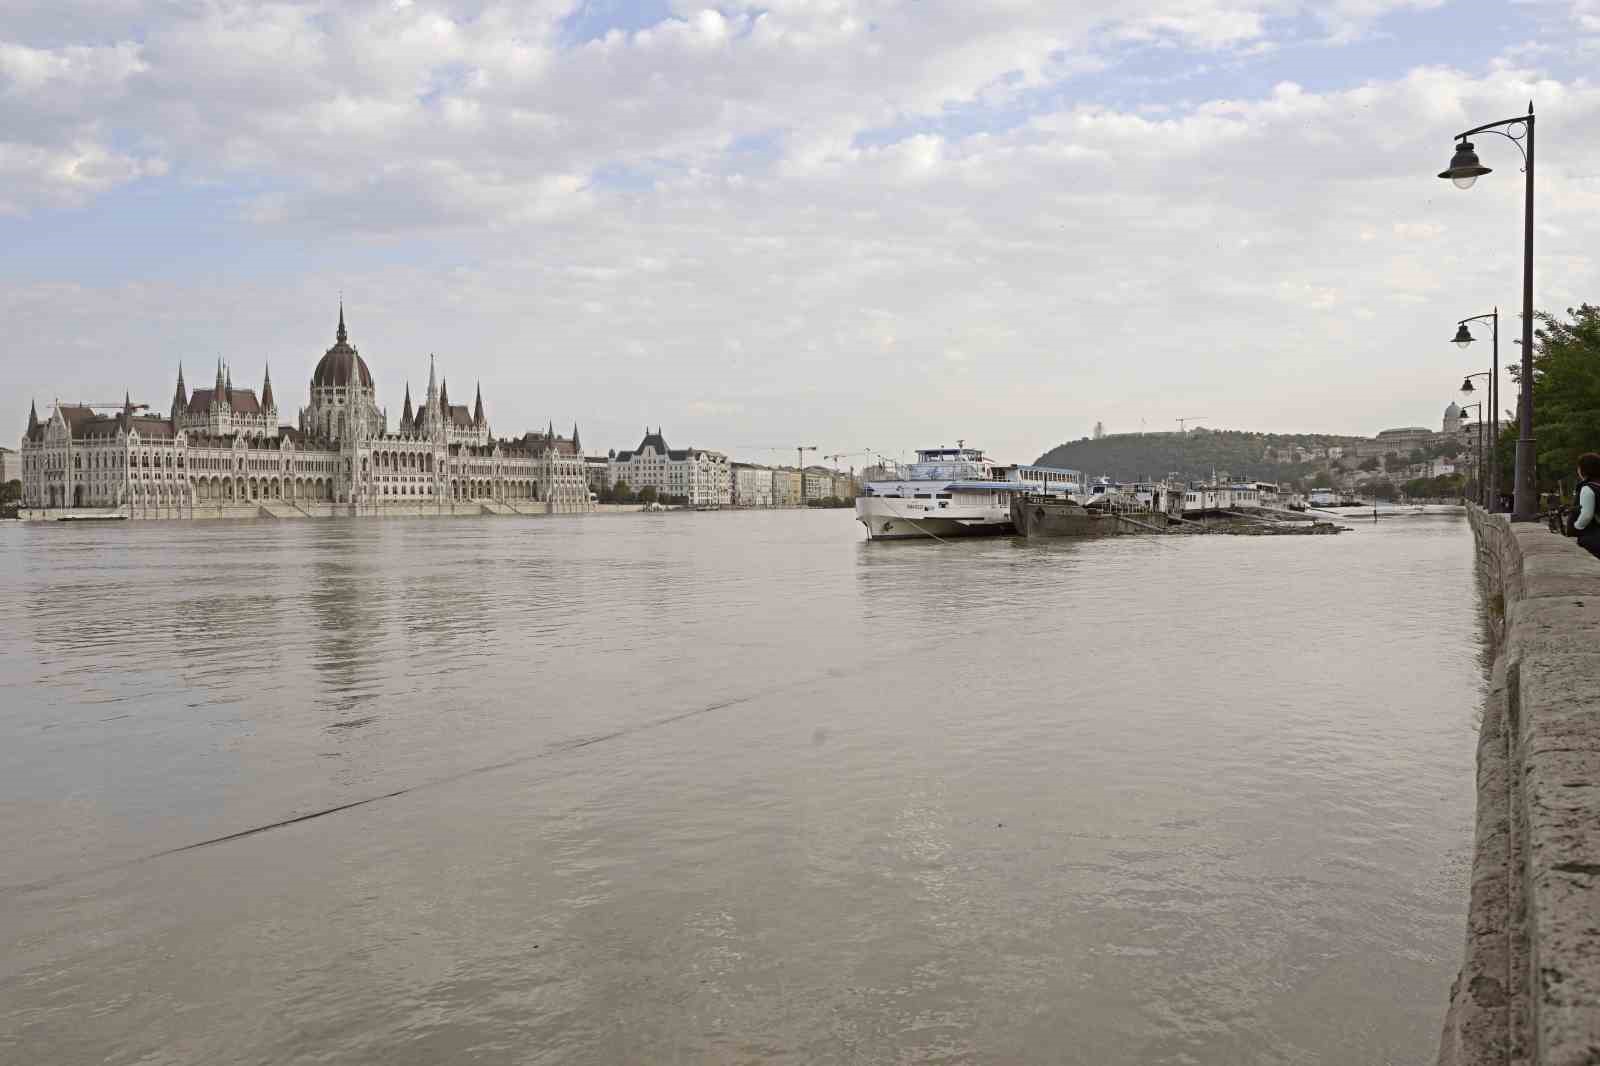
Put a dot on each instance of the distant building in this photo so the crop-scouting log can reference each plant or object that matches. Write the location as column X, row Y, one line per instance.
column 818, row 483
column 1099, row 430
column 845, row 487
column 223, row 447
column 696, row 474
column 1407, row 439
column 10, row 470
column 787, row 487
column 596, row 472
column 751, row 485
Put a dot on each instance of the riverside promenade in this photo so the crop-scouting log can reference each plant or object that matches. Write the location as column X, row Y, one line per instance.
column 1529, row 988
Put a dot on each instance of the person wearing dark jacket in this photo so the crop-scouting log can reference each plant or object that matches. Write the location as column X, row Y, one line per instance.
column 1588, row 499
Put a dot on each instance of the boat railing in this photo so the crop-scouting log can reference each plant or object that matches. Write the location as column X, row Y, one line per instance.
column 941, row 472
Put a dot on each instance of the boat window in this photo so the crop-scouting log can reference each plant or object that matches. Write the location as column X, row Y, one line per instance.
column 943, row 496
column 921, row 496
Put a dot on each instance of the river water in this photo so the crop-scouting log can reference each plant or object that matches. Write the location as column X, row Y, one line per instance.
column 730, row 788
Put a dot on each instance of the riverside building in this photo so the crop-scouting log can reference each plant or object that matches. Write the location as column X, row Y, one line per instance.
column 695, row 474
column 222, row 452
column 752, row 485
column 787, row 487
column 818, row 483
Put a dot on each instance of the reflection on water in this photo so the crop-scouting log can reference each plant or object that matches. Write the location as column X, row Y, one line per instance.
column 731, row 787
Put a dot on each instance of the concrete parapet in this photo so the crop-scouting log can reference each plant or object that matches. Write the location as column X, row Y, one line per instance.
column 1529, row 988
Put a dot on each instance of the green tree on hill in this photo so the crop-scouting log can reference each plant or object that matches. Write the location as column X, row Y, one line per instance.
column 1196, row 454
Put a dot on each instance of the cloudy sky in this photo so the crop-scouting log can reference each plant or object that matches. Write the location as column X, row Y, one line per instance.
column 859, row 224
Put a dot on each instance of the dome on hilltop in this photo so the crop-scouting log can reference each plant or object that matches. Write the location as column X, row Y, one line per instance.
column 1452, row 411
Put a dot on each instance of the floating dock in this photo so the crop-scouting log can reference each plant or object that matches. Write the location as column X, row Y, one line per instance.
column 1050, row 516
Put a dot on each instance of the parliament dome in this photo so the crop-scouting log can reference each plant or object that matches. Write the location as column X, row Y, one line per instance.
column 342, row 365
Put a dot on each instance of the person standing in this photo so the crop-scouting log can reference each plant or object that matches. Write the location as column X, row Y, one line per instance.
column 1587, row 523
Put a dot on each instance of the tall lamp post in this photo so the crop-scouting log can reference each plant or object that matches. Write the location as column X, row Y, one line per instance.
column 1464, row 169
column 1463, row 338
column 1479, row 406
column 1466, row 393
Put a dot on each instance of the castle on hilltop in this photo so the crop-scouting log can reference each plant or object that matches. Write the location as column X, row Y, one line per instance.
column 222, row 451
column 1453, row 428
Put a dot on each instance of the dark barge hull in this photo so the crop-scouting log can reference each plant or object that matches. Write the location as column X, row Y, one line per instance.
column 1058, row 518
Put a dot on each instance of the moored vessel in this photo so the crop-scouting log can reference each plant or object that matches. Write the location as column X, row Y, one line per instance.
column 953, row 492
column 1041, row 516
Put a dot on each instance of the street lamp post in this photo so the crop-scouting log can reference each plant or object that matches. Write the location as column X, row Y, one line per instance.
column 1463, row 338
column 1464, row 410
column 1466, row 392
column 1464, row 169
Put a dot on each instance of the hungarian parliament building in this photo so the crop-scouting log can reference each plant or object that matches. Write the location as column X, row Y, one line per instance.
column 221, row 452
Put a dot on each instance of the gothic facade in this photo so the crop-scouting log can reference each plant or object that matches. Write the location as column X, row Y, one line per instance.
column 222, row 449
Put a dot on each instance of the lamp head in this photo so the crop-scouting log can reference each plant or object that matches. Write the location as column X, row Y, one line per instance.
column 1466, row 387
column 1463, row 336
column 1464, row 168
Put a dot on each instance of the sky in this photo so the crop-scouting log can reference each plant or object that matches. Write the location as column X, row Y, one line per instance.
column 864, row 225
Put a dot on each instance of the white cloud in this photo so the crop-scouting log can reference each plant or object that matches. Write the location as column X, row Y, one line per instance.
column 572, row 226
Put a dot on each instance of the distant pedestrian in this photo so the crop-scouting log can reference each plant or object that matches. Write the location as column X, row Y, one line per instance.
column 1586, row 524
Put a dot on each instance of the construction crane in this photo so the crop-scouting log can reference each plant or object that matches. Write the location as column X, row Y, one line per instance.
column 1183, row 435
column 834, row 459
column 800, row 454
column 119, row 405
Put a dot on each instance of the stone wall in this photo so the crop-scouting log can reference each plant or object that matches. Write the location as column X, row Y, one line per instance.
column 1529, row 988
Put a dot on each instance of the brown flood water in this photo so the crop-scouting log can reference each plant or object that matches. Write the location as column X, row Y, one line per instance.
column 730, row 788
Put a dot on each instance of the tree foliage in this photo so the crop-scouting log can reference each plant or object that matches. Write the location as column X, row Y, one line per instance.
column 1443, row 487
column 1566, row 392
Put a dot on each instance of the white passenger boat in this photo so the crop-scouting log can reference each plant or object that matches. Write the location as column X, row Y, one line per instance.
column 953, row 492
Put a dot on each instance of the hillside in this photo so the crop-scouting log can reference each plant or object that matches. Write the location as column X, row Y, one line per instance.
column 1141, row 456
